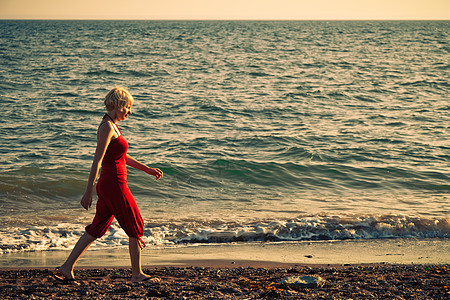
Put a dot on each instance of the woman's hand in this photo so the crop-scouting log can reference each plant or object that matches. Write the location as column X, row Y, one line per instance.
column 86, row 201
column 132, row 162
column 155, row 172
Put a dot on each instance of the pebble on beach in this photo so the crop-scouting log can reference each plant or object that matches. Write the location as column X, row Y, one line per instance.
column 303, row 281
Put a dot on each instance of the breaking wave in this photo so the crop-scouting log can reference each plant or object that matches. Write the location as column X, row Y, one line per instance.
column 185, row 232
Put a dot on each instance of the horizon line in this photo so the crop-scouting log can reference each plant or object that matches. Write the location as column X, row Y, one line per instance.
column 196, row 20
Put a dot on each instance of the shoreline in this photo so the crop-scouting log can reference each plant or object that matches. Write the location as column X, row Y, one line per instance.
column 392, row 251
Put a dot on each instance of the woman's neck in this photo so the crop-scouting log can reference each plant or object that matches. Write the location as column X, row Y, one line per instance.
column 111, row 118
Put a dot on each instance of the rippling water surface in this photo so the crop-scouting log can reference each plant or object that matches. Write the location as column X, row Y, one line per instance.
column 273, row 131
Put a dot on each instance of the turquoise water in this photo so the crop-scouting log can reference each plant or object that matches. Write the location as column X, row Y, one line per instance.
column 271, row 131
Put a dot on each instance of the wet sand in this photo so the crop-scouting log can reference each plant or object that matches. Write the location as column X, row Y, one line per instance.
column 234, row 280
column 391, row 251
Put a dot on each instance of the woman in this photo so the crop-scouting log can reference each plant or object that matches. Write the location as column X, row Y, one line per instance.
column 114, row 197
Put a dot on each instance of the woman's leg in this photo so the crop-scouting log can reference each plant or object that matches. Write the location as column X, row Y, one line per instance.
column 83, row 243
column 135, row 256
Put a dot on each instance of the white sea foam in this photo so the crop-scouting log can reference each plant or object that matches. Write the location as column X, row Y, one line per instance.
column 194, row 231
column 303, row 228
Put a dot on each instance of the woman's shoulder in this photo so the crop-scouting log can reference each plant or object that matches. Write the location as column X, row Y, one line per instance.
column 105, row 127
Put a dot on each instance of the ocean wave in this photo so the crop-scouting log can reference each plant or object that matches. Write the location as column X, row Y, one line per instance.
column 182, row 232
column 309, row 228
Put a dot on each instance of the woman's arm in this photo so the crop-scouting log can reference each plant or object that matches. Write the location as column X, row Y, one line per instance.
column 105, row 132
column 140, row 166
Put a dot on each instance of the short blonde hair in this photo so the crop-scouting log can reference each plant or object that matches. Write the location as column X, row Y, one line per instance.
column 118, row 97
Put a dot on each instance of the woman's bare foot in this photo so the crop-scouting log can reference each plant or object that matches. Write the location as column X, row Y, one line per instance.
column 144, row 277
column 65, row 272
column 64, row 276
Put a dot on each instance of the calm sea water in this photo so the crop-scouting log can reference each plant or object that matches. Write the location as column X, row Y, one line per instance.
column 266, row 131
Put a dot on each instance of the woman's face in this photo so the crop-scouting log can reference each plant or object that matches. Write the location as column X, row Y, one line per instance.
column 124, row 112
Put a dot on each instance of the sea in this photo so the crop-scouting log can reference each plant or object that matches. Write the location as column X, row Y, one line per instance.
column 266, row 131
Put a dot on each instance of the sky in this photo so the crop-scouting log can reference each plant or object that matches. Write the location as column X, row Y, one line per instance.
column 227, row 9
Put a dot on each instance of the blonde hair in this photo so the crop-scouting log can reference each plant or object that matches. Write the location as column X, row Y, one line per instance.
column 118, row 97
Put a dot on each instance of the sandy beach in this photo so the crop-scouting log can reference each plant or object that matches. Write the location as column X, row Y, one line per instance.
column 246, row 281
column 389, row 269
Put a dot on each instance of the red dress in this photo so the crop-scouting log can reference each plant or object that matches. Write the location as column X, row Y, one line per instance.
column 114, row 196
